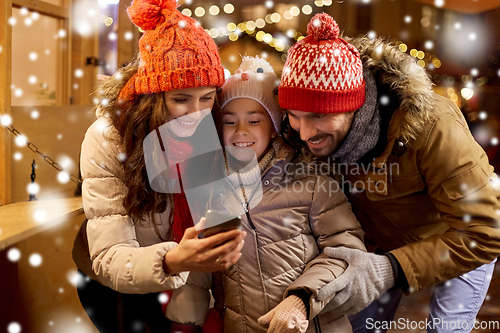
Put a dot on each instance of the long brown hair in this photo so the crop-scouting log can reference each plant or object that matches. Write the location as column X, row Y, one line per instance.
column 134, row 120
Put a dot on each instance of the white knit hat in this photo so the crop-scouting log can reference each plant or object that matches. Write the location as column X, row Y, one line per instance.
column 254, row 79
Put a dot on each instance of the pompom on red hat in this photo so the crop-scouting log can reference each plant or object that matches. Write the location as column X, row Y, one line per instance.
column 323, row 73
column 175, row 51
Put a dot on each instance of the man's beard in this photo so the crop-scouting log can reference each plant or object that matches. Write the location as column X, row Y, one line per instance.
column 330, row 145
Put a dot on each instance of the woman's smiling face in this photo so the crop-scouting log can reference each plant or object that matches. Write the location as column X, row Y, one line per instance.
column 246, row 124
column 187, row 107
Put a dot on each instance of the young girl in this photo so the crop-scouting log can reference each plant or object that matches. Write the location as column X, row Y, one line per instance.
column 290, row 213
column 136, row 240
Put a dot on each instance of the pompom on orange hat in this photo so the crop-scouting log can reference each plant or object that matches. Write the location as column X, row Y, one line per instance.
column 175, row 51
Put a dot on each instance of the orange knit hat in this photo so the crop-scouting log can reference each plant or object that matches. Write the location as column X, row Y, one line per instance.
column 175, row 51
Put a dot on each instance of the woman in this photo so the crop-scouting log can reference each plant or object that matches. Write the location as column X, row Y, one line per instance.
column 141, row 241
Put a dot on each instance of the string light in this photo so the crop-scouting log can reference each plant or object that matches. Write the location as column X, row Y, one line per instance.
column 232, row 30
column 228, row 8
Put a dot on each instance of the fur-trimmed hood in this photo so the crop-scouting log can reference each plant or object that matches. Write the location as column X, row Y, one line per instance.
column 408, row 80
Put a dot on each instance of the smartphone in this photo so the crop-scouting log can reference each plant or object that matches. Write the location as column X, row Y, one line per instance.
column 214, row 226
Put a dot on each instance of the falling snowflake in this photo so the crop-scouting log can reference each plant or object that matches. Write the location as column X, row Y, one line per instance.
column 128, row 35
column 33, row 188
column 385, row 298
column 35, row 260
column 407, row 19
column 473, row 244
column 439, row 3
column 14, row 254
column 12, row 21
column 63, row 177
column 18, row 156
column 483, row 115
column 18, row 92
column 5, row 120
column 182, row 24
column 122, row 157
column 83, row 28
column 14, row 327
column 372, row 35
column 78, row 73
column 494, row 141
column 137, row 326
column 61, row 33
column 21, row 140
column 163, row 298
column 35, row 114
column 112, row 36
column 384, row 100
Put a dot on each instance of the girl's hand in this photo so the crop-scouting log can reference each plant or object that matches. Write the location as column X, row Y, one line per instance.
column 204, row 255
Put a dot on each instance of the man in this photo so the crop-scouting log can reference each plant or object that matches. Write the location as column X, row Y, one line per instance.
column 418, row 182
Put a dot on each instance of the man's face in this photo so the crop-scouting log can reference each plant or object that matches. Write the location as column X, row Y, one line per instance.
column 323, row 132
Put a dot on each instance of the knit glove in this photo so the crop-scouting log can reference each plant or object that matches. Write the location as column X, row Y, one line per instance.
column 289, row 316
column 366, row 278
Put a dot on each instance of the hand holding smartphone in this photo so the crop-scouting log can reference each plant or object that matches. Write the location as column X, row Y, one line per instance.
column 217, row 221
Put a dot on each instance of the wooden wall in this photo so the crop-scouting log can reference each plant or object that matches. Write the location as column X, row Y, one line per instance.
column 43, row 299
column 57, row 132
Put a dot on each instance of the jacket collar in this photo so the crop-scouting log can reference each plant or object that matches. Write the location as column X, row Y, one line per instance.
column 410, row 82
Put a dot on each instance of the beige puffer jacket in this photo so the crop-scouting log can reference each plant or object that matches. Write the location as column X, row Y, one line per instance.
column 299, row 215
column 128, row 257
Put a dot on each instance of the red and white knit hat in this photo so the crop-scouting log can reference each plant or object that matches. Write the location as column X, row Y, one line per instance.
column 323, row 73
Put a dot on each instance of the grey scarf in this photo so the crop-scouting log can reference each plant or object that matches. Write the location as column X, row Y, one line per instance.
column 365, row 128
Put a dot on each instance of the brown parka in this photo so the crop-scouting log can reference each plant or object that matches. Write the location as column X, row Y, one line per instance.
column 430, row 196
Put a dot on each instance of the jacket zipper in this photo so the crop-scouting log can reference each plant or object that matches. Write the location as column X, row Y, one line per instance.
column 317, row 328
column 245, row 206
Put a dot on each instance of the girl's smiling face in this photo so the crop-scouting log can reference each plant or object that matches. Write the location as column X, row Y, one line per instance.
column 246, row 124
column 187, row 107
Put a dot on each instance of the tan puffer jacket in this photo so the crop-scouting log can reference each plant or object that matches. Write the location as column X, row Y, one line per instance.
column 299, row 215
column 128, row 257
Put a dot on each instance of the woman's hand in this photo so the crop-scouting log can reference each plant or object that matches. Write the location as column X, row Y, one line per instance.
column 204, row 255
